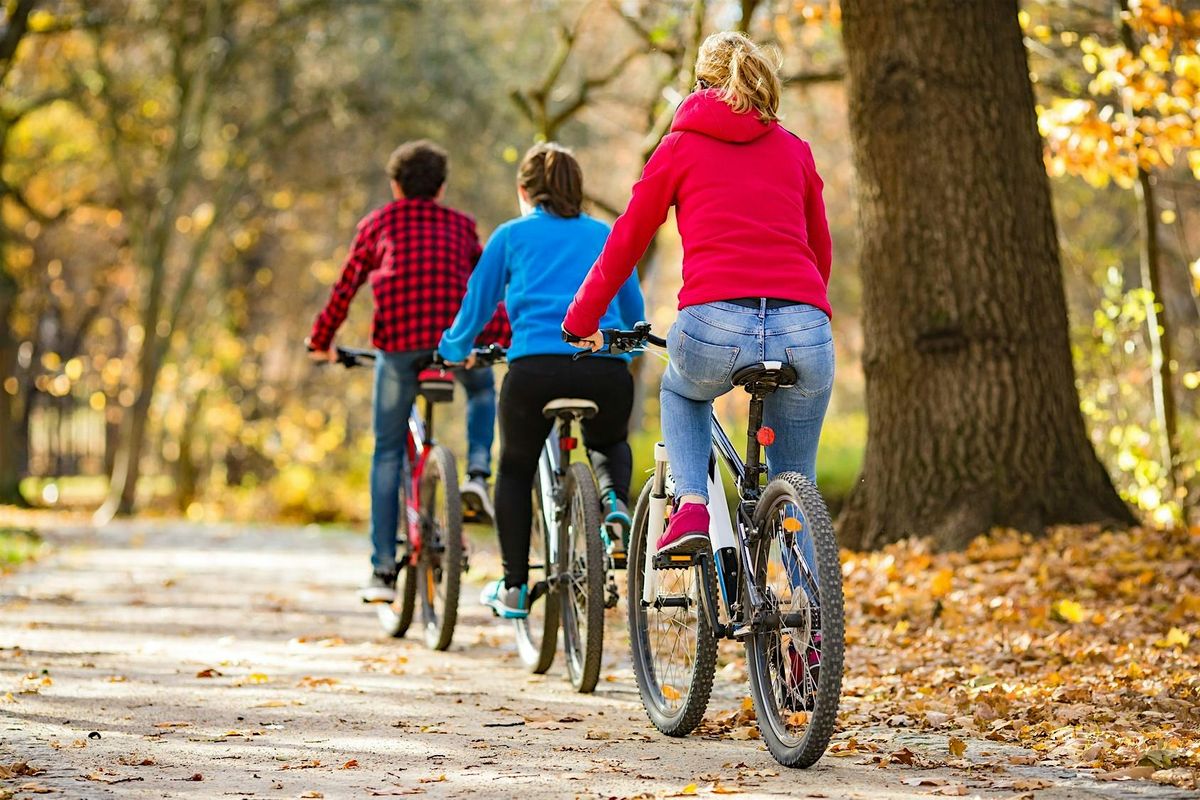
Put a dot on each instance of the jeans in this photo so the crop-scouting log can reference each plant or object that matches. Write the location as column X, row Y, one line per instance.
column 395, row 392
column 707, row 344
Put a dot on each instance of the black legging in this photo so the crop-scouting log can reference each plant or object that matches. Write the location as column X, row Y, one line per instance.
column 532, row 382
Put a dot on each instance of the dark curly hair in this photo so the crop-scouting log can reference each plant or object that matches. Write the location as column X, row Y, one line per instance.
column 419, row 167
column 552, row 178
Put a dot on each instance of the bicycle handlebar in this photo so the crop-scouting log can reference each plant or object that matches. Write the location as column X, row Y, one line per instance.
column 350, row 357
column 619, row 342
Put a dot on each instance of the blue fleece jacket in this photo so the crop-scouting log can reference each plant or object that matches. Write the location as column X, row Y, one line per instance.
column 535, row 264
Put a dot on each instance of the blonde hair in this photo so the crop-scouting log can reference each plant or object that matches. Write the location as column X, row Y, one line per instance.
column 746, row 75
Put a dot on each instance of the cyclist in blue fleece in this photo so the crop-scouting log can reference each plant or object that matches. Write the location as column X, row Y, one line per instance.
column 535, row 264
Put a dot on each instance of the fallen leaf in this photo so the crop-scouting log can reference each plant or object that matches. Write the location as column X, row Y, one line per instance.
column 351, row 764
column 208, row 673
column 312, row 794
column 1127, row 774
column 957, row 747
column 1068, row 611
column 196, row 777
column 439, row 779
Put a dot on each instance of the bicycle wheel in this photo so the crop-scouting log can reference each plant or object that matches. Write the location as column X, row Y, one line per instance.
column 581, row 569
column 796, row 668
column 674, row 650
column 537, row 635
column 439, row 567
column 396, row 617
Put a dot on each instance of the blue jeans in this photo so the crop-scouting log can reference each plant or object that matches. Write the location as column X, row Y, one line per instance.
column 395, row 392
column 707, row 344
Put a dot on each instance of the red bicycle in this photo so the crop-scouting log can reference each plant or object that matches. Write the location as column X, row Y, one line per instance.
column 431, row 553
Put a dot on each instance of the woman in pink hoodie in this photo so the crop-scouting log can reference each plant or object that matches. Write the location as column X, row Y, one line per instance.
column 756, row 257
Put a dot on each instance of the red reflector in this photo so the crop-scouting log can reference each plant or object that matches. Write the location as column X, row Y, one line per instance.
column 765, row 436
column 568, row 443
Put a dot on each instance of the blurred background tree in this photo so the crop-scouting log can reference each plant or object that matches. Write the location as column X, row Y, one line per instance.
column 179, row 181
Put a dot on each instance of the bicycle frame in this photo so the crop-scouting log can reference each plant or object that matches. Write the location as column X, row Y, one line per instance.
column 550, row 473
column 420, row 445
column 731, row 534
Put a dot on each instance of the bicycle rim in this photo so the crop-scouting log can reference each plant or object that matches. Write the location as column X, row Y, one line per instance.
column 674, row 650
column 537, row 635
column 582, row 571
column 439, row 568
column 796, row 668
column 396, row 617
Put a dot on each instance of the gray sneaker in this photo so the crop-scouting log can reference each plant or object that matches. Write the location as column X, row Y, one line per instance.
column 477, row 501
column 381, row 588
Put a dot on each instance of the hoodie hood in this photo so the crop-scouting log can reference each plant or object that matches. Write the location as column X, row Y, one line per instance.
column 705, row 112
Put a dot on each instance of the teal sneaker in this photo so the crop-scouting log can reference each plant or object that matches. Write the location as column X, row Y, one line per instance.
column 506, row 602
column 617, row 523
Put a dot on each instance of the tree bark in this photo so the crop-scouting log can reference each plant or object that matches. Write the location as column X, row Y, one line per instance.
column 974, row 419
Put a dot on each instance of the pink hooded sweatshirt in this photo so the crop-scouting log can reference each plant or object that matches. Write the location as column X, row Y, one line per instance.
column 747, row 200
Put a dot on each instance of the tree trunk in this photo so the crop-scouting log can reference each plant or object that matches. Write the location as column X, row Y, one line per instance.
column 131, row 439
column 974, row 420
column 11, row 445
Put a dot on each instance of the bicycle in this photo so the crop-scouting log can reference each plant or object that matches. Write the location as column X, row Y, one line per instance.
column 772, row 580
column 567, row 552
column 430, row 549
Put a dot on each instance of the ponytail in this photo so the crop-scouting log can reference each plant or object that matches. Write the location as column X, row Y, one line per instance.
column 553, row 179
column 747, row 77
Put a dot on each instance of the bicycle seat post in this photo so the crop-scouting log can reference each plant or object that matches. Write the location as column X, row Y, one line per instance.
column 754, row 466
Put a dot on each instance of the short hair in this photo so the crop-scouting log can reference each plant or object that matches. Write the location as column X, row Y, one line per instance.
column 419, row 168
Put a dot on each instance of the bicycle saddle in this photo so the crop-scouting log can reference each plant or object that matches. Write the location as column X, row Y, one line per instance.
column 435, row 385
column 571, row 407
column 765, row 377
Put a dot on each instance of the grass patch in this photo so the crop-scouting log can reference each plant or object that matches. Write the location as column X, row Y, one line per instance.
column 17, row 546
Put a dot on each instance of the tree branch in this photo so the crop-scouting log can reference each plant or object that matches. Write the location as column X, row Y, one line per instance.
column 809, row 78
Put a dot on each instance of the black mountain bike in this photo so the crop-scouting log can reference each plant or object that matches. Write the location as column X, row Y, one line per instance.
column 772, row 580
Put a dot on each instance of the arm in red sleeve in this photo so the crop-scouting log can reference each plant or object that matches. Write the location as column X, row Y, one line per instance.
column 817, row 223
column 652, row 196
column 359, row 263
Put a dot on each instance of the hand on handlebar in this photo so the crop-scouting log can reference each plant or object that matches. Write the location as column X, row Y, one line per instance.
column 594, row 343
column 320, row 356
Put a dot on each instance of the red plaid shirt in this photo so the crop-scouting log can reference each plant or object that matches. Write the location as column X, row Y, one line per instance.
column 418, row 255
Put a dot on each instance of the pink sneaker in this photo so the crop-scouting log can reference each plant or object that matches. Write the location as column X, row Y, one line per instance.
column 687, row 531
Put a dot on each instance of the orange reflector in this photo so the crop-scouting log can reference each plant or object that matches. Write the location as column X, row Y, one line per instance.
column 792, row 525
column 765, row 436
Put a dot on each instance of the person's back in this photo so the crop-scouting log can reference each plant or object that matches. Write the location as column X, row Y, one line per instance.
column 547, row 257
column 417, row 255
column 535, row 263
column 756, row 264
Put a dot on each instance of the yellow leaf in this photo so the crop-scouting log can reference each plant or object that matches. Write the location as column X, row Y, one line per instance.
column 691, row 788
column 256, row 677
column 1068, row 611
column 1175, row 638
column 942, row 581
column 957, row 747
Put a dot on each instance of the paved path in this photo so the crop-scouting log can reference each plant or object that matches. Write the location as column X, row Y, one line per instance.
column 103, row 642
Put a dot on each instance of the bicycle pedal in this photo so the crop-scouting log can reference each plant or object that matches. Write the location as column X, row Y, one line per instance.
column 674, row 560
column 619, row 560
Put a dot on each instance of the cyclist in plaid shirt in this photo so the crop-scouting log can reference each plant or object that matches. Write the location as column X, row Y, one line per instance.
column 418, row 255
